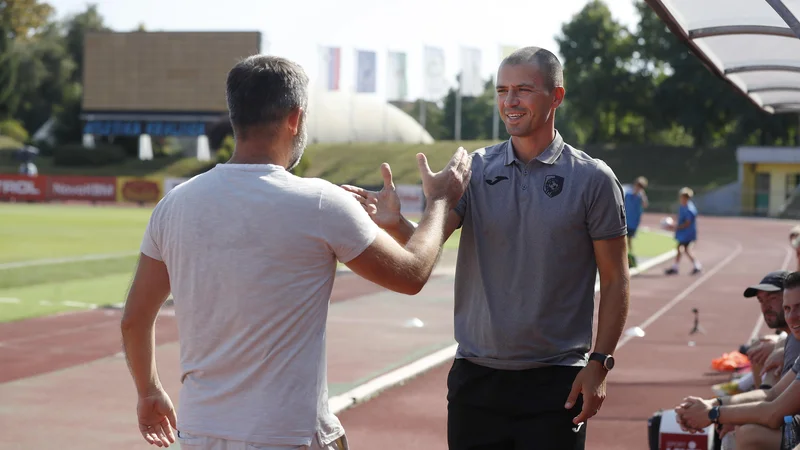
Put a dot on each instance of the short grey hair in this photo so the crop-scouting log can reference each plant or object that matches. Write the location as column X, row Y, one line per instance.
column 545, row 60
column 263, row 90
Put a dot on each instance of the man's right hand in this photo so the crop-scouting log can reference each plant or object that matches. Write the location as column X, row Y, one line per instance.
column 759, row 353
column 383, row 206
column 450, row 183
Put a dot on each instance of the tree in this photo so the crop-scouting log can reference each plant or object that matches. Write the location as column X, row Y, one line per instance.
column 76, row 28
column 599, row 76
column 19, row 19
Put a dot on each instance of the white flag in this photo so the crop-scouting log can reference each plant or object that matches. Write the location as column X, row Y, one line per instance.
column 396, row 83
column 471, row 80
column 330, row 66
column 365, row 71
column 434, row 78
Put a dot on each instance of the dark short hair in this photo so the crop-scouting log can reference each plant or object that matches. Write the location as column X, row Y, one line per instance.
column 263, row 90
column 792, row 281
column 545, row 60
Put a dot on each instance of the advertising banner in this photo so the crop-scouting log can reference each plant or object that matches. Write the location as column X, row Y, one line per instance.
column 22, row 188
column 102, row 189
column 139, row 190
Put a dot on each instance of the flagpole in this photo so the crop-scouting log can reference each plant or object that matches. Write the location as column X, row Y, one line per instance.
column 353, row 98
column 388, row 66
column 319, row 89
column 495, row 112
column 458, row 108
column 423, row 107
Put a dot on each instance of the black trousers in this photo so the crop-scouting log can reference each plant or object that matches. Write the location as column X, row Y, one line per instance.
column 490, row 409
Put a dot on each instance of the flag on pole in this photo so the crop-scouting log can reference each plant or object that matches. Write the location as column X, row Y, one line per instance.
column 396, row 83
column 471, row 80
column 330, row 67
column 365, row 71
column 434, row 78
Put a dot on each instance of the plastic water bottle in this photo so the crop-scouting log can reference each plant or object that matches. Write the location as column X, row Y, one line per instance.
column 728, row 442
column 789, row 437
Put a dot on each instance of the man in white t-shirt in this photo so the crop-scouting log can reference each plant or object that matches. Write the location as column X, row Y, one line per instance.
column 249, row 252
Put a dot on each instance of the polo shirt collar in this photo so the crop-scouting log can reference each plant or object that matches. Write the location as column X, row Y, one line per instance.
column 548, row 156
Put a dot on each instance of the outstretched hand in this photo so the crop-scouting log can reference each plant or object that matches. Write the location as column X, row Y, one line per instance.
column 450, row 183
column 382, row 206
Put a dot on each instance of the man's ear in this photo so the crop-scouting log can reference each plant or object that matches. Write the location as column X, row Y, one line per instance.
column 293, row 121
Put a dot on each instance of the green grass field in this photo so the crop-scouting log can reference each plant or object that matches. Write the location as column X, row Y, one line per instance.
column 30, row 234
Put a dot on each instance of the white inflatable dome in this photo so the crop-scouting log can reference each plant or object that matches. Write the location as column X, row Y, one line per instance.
column 342, row 116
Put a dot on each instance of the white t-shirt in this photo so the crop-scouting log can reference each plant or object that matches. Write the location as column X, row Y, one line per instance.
column 251, row 252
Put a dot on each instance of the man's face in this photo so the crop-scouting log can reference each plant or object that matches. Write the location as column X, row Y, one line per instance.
column 772, row 308
column 523, row 99
column 791, row 310
column 684, row 199
column 299, row 142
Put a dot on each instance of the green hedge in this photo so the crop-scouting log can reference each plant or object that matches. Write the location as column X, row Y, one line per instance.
column 78, row 155
column 13, row 129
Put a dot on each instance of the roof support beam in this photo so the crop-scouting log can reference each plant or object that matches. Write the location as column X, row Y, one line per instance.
column 727, row 30
column 786, row 15
column 773, row 89
column 761, row 68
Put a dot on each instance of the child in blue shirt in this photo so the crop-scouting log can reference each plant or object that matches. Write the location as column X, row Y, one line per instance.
column 685, row 231
column 635, row 203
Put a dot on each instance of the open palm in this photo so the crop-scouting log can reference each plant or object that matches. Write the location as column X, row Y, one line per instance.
column 382, row 206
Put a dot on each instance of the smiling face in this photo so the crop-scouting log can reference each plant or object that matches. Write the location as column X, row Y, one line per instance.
column 791, row 310
column 525, row 100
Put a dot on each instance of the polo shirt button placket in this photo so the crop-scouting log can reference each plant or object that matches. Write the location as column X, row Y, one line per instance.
column 525, row 174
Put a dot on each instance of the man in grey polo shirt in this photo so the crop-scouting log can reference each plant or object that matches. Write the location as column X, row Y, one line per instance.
column 538, row 219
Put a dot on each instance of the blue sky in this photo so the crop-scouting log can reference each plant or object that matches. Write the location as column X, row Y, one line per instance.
column 295, row 29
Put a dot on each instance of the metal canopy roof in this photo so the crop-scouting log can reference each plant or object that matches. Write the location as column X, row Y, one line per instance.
column 753, row 44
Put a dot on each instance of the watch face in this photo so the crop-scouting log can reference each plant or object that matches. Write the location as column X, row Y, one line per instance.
column 609, row 363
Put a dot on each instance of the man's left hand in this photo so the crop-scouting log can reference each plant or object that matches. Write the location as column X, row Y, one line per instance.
column 591, row 382
column 157, row 418
column 693, row 413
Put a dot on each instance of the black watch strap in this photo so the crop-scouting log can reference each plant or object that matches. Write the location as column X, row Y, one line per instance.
column 607, row 361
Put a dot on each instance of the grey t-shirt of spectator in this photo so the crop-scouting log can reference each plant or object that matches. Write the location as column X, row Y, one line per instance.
column 791, row 351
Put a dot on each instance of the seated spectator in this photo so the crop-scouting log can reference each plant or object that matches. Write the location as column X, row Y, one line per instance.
column 759, row 414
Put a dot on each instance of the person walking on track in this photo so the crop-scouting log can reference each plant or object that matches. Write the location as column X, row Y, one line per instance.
column 249, row 252
column 538, row 220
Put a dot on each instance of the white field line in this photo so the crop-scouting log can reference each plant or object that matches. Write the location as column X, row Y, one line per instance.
column 67, row 259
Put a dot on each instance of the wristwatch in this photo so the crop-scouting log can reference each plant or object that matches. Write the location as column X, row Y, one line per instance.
column 713, row 415
column 606, row 360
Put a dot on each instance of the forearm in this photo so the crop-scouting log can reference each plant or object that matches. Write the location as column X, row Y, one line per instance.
column 614, row 300
column 138, row 340
column 760, row 413
column 403, row 231
column 756, row 395
column 425, row 244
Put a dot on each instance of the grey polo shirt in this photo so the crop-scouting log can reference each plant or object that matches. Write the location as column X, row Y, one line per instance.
column 525, row 276
column 791, row 352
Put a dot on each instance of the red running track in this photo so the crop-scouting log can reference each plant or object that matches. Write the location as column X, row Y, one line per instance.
column 653, row 372
column 44, row 344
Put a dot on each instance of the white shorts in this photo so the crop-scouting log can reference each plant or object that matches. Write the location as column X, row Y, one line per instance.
column 194, row 442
